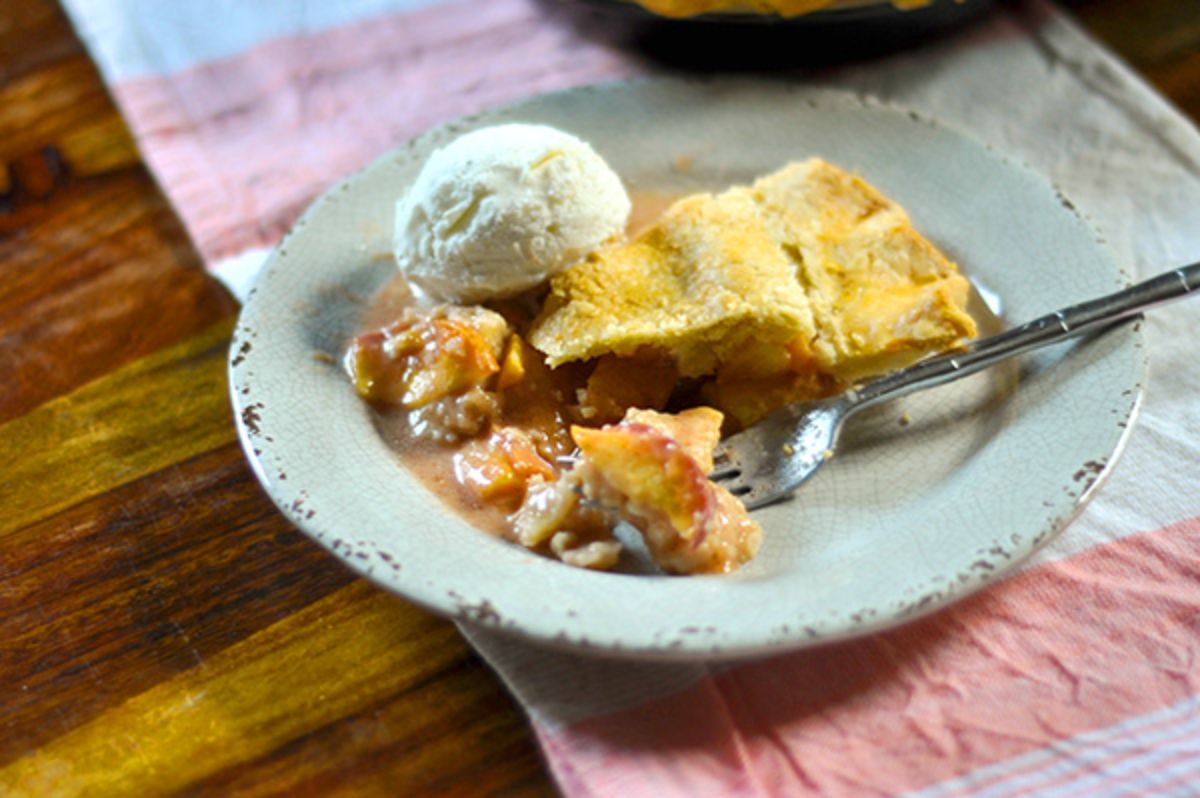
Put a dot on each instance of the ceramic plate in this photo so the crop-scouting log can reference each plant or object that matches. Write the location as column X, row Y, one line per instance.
column 930, row 498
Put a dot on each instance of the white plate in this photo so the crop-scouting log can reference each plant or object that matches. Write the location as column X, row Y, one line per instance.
column 907, row 519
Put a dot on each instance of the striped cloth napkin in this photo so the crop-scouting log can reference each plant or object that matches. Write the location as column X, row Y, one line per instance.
column 1077, row 676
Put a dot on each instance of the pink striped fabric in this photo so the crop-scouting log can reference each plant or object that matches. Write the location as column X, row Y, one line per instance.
column 1077, row 676
column 1073, row 647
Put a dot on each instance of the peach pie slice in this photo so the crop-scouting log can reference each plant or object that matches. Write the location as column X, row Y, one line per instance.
column 788, row 289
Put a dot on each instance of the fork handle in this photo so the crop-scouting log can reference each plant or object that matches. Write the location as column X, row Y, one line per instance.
column 1096, row 314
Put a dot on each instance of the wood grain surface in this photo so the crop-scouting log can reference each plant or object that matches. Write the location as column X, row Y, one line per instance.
column 164, row 629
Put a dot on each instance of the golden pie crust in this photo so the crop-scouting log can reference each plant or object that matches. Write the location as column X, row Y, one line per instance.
column 807, row 269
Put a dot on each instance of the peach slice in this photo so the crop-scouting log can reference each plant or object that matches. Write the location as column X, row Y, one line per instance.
column 651, row 469
column 619, row 383
column 417, row 361
column 500, row 467
column 697, row 430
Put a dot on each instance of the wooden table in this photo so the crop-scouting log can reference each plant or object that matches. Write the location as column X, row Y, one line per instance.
column 162, row 627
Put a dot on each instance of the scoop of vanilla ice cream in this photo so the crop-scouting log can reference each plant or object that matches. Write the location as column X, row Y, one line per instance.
column 500, row 209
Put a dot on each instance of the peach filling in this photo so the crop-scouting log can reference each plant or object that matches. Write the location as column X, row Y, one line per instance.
column 473, row 386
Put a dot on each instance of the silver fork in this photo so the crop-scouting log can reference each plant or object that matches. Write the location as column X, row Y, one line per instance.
column 769, row 460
